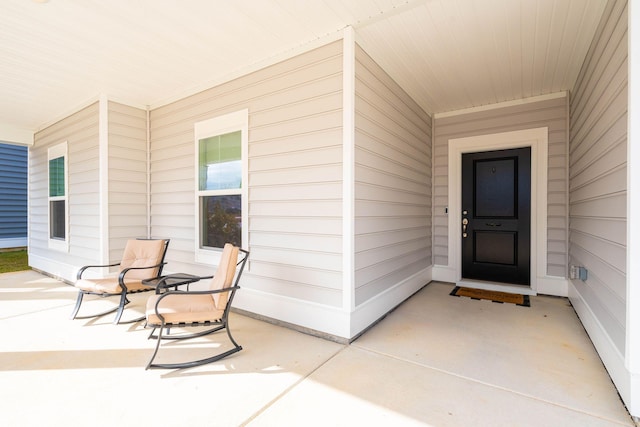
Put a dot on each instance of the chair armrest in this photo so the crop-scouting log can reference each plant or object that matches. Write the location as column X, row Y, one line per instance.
column 81, row 271
column 126, row 270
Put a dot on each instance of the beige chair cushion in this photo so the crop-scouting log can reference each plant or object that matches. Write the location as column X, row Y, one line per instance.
column 108, row 285
column 142, row 253
column 186, row 308
column 137, row 253
column 224, row 275
column 183, row 308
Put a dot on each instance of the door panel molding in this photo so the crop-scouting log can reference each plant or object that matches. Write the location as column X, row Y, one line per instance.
column 538, row 140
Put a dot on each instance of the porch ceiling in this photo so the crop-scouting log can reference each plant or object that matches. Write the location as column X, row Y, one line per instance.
column 57, row 55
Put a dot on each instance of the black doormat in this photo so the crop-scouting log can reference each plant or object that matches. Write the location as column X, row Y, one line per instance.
column 494, row 296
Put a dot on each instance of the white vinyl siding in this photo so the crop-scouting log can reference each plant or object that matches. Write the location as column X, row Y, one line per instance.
column 127, row 176
column 550, row 113
column 392, row 182
column 598, row 174
column 80, row 131
column 295, row 173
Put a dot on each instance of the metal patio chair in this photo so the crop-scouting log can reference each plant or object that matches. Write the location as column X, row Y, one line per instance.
column 208, row 308
column 142, row 259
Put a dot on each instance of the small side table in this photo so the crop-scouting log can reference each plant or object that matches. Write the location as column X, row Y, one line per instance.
column 170, row 281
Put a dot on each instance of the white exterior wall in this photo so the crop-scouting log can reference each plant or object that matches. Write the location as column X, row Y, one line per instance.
column 392, row 185
column 598, row 178
column 296, row 216
column 295, row 185
column 107, row 187
column 81, row 132
column 598, row 195
column 127, row 180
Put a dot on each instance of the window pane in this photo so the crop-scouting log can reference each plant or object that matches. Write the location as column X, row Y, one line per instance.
column 57, row 216
column 221, row 221
column 220, row 167
column 56, row 177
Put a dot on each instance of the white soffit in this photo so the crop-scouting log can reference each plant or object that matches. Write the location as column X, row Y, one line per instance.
column 447, row 54
column 456, row 54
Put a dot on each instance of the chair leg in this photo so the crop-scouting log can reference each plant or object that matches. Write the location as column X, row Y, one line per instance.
column 78, row 303
column 123, row 301
column 236, row 348
column 151, row 334
column 159, row 338
column 76, row 309
column 195, row 362
column 230, row 337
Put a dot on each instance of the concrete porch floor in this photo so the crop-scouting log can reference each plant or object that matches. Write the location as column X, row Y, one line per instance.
column 436, row 360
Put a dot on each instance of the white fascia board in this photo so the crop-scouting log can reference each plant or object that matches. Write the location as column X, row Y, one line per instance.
column 15, row 135
column 501, row 105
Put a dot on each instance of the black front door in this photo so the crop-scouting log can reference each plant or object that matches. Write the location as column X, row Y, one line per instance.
column 496, row 216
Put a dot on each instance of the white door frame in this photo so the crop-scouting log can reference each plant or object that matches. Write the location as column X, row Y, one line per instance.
column 538, row 140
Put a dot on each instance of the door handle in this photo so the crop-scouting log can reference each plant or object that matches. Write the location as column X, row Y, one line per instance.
column 465, row 221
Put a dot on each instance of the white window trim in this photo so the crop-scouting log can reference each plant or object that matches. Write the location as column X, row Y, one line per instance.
column 54, row 152
column 232, row 122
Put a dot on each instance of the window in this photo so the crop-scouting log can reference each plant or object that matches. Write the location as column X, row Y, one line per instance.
column 58, row 224
column 221, row 168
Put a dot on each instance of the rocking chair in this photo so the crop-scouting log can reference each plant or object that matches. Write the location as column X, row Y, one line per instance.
column 142, row 259
column 179, row 309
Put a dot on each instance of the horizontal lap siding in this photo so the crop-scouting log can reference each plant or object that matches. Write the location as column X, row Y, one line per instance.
column 127, row 128
column 392, row 183
column 13, row 191
column 549, row 113
column 81, row 131
column 598, row 174
column 295, row 174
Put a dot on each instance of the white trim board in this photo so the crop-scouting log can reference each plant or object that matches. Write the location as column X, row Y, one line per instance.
column 306, row 314
column 501, row 105
column 53, row 268
column 13, row 242
column 251, row 68
column 613, row 361
column 103, row 195
column 16, row 135
column 371, row 311
column 537, row 139
column 348, row 168
column 332, row 320
column 632, row 347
